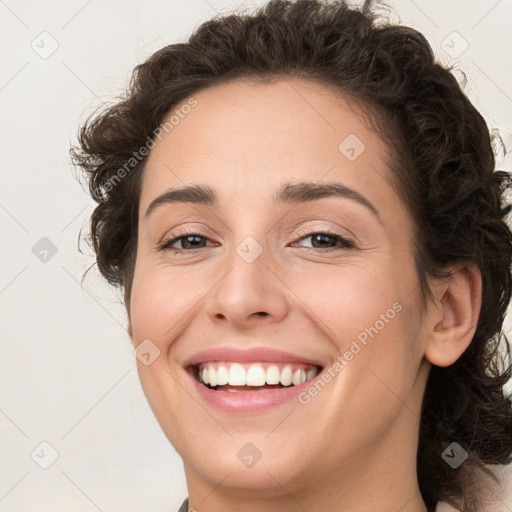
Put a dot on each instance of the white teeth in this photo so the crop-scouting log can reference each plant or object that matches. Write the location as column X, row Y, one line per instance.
column 273, row 374
column 311, row 373
column 222, row 376
column 286, row 376
column 212, row 376
column 299, row 376
column 254, row 375
column 237, row 375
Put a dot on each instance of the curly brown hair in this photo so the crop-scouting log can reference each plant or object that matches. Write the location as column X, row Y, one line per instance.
column 443, row 168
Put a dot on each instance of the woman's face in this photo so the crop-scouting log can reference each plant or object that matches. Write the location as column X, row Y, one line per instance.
column 298, row 262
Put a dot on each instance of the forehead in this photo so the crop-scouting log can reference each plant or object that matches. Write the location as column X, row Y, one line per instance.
column 245, row 138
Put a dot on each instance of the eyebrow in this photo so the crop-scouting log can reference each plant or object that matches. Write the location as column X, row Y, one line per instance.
column 289, row 193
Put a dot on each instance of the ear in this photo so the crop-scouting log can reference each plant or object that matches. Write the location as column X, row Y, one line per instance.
column 453, row 320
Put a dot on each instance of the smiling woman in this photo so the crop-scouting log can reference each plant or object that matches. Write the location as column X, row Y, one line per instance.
column 318, row 251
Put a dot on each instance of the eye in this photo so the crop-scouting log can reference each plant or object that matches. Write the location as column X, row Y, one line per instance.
column 322, row 241
column 189, row 242
column 327, row 240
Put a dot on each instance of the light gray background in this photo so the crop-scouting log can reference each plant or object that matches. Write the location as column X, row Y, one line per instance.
column 67, row 371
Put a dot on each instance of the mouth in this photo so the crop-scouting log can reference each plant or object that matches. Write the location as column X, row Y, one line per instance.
column 250, row 380
column 236, row 377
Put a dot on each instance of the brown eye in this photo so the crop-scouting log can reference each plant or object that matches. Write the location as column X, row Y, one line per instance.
column 328, row 241
column 188, row 241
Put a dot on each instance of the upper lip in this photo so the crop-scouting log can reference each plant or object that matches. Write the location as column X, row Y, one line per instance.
column 250, row 355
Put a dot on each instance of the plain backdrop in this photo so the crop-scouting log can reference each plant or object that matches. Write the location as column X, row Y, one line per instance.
column 70, row 398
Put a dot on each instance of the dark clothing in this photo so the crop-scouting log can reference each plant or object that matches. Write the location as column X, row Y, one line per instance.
column 184, row 506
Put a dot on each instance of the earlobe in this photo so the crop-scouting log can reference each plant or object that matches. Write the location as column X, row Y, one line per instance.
column 453, row 321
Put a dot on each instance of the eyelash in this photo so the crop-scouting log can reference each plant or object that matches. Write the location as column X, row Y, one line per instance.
column 346, row 243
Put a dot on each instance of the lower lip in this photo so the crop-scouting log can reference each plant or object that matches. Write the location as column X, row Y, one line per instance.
column 247, row 401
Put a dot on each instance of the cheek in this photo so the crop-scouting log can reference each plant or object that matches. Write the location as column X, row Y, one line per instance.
column 160, row 300
column 371, row 317
column 349, row 302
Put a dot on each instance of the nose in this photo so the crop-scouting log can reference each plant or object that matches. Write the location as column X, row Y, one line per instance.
column 249, row 291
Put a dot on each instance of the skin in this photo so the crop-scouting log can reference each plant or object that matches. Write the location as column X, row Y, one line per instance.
column 352, row 448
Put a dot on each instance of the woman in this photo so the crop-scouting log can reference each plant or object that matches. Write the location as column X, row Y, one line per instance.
column 302, row 209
